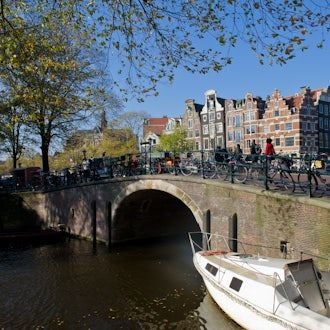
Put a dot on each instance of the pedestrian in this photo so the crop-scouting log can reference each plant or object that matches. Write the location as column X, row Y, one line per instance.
column 269, row 149
column 238, row 152
column 253, row 151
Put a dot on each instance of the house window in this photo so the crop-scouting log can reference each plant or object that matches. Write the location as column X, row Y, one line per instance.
column 219, row 141
column 205, row 129
column 219, row 115
column 277, row 142
column 190, row 123
column 219, row 128
column 196, row 132
column 238, row 121
column 190, row 134
column 289, row 141
column 321, row 108
column 321, row 122
column 211, row 116
column 276, row 113
column 326, row 109
column 206, row 144
column 230, row 136
column 204, row 118
column 196, row 145
column 266, row 129
column 326, row 123
column 288, row 126
column 277, row 127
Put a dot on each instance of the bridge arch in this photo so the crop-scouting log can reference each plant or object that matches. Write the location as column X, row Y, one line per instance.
column 158, row 208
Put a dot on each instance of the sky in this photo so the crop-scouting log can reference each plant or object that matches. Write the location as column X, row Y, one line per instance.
column 245, row 74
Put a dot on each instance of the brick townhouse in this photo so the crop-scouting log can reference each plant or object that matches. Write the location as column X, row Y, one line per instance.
column 297, row 124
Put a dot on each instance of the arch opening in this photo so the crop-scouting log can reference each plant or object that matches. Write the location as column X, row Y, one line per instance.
column 151, row 213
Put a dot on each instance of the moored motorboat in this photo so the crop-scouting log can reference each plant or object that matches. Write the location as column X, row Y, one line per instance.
column 261, row 292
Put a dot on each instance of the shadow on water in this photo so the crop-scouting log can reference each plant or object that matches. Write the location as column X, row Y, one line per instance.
column 149, row 284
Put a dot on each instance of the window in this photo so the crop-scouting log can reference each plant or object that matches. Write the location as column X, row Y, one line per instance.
column 219, row 128
column 326, row 109
column 204, row 118
column 230, row 136
column 238, row 121
column 212, row 269
column 219, row 115
column 196, row 132
column 211, row 116
column 326, row 124
column 238, row 136
column 289, row 141
column 230, row 121
column 220, row 141
column 277, row 142
column 190, row 123
column 288, row 126
column 321, row 108
column 190, row 134
column 266, row 129
column 304, row 126
column 276, row 113
column 196, row 145
column 205, row 129
column 235, row 284
column 212, row 130
column 277, row 127
column 321, row 122
column 206, row 144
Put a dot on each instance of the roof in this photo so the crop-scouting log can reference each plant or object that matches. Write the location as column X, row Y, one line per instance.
column 155, row 125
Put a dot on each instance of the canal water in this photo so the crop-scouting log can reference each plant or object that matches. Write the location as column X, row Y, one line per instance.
column 68, row 285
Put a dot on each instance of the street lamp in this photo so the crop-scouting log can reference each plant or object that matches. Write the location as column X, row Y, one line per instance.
column 145, row 144
column 150, row 140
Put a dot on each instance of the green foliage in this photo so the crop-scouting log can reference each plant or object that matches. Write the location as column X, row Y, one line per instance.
column 176, row 141
column 149, row 40
column 113, row 143
column 47, row 69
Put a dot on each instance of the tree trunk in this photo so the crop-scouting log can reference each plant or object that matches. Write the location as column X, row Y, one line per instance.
column 45, row 160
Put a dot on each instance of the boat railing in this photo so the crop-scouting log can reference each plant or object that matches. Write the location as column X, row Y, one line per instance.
column 203, row 241
column 278, row 282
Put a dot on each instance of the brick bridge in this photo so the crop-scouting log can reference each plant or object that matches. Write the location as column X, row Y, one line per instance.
column 149, row 206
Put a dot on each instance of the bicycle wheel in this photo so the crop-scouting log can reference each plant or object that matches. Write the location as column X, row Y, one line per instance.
column 186, row 168
column 304, row 182
column 222, row 171
column 240, row 173
column 287, row 181
column 209, row 170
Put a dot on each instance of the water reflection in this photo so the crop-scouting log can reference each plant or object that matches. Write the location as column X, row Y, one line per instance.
column 150, row 285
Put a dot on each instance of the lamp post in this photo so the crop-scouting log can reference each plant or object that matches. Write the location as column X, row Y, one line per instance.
column 145, row 144
column 150, row 140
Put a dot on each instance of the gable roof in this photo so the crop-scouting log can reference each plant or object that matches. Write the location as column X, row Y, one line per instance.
column 155, row 125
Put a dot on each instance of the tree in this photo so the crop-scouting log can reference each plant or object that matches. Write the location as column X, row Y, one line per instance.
column 47, row 69
column 13, row 133
column 148, row 40
column 176, row 141
column 133, row 120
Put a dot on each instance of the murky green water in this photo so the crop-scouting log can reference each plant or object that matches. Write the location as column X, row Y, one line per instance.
column 149, row 285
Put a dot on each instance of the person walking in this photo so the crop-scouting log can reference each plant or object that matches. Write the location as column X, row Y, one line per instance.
column 269, row 149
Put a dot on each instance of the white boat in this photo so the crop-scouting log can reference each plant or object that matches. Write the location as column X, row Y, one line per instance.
column 261, row 292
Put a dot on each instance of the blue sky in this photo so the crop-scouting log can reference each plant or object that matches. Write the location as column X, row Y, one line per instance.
column 245, row 74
